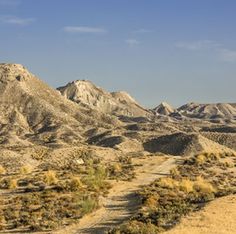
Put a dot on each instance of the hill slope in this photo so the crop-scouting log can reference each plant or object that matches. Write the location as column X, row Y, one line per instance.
column 31, row 111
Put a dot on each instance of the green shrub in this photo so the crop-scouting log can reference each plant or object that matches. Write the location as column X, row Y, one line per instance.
column 88, row 205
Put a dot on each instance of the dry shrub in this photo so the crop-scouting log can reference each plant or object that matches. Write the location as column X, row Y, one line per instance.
column 174, row 171
column 201, row 185
column 152, row 201
column 116, row 168
column 2, row 170
column 26, row 169
column 229, row 164
column 12, row 184
column 50, row 178
column 136, row 227
column 186, row 185
column 168, row 182
column 75, row 184
column 88, row 205
column 213, row 156
column 200, row 159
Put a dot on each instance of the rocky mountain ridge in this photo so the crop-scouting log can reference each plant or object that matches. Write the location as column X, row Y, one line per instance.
column 85, row 93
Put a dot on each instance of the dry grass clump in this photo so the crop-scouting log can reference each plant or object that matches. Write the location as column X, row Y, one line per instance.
column 137, row 227
column 88, row 205
column 12, row 184
column 121, row 170
column 95, row 180
column 186, row 185
column 116, row 168
column 174, row 172
column 26, row 169
column 2, row 170
column 75, row 184
column 203, row 186
column 213, row 156
column 200, row 159
column 50, row 178
column 167, row 182
column 151, row 201
column 8, row 183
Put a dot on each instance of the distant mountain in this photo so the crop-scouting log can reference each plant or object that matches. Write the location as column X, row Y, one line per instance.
column 32, row 112
column 85, row 93
column 211, row 112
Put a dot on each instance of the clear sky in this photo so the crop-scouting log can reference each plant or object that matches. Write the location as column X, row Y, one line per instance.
column 158, row 50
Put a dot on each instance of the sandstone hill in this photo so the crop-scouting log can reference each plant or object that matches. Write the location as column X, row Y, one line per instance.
column 164, row 109
column 85, row 93
column 32, row 112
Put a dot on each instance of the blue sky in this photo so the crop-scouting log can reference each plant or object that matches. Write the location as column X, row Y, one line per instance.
column 158, row 50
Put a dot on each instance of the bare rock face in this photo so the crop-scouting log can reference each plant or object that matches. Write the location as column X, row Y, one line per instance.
column 32, row 112
column 85, row 93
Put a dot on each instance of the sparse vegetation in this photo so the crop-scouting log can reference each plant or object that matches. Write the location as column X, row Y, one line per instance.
column 188, row 187
column 50, row 178
column 26, row 169
column 12, row 184
column 2, row 170
column 53, row 198
column 88, row 205
column 122, row 170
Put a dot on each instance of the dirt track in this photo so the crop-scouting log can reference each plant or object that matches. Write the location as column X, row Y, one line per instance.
column 122, row 200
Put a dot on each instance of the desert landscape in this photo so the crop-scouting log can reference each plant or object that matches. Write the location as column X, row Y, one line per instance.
column 117, row 117
column 79, row 159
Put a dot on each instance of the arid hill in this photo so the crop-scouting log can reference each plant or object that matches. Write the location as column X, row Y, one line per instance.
column 32, row 112
column 164, row 109
column 85, row 93
column 68, row 152
column 215, row 113
column 209, row 111
column 184, row 144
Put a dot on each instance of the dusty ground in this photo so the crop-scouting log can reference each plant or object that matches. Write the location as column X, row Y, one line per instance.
column 122, row 200
column 216, row 218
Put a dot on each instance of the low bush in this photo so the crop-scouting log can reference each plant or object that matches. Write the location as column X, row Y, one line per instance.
column 203, row 186
column 50, row 178
column 88, row 205
column 2, row 170
column 26, row 169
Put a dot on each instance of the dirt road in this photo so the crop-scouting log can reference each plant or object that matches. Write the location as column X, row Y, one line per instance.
column 122, row 201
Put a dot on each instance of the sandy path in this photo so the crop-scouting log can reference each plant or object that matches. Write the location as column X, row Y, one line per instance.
column 218, row 217
column 122, row 200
